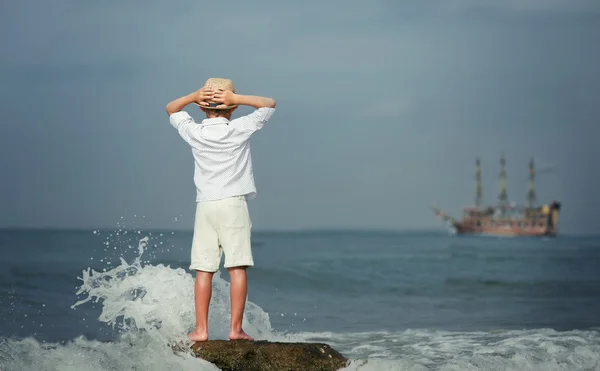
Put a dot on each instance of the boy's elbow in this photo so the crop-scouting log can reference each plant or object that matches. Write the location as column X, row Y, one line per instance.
column 169, row 109
column 272, row 103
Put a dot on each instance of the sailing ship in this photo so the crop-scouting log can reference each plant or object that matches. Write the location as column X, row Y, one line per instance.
column 505, row 218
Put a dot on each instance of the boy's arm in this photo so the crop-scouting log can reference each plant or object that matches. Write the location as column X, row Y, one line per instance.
column 229, row 98
column 198, row 96
column 179, row 103
column 254, row 101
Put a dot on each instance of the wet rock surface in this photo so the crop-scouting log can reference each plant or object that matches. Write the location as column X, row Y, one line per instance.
column 244, row 355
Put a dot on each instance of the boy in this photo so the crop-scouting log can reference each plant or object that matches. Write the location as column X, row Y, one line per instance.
column 224, row 181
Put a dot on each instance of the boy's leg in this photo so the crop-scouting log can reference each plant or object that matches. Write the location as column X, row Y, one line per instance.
column 237, row 291
column 234, row 235
column 205, row 259
column 202, row 295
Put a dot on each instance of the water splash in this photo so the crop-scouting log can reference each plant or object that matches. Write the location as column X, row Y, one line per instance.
column 151, row 307
column 159, row 299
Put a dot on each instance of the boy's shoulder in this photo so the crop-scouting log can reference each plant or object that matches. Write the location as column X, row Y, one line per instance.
column 253, row 121
column 181, row 117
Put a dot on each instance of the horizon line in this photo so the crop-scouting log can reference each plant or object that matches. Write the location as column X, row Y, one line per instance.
column 273, row 231
column 165, row 229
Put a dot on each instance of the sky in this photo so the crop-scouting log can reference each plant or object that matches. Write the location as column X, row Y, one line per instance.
column 382, row 108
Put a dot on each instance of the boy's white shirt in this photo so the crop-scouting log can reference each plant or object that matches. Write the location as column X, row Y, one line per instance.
column 221, row 149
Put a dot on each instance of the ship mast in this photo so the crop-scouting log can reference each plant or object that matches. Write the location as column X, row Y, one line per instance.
column 503, row 196
column 478, row 188
column 531, row 199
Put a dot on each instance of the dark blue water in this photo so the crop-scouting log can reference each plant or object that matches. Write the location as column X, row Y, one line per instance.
column 394, row 300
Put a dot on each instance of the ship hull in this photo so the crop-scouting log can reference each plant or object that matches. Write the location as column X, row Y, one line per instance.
column 501, row 231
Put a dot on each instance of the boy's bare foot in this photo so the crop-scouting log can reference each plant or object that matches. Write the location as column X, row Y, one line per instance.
column 241, row 335
column 198, row 335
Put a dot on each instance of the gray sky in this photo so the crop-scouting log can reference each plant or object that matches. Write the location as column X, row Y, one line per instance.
column 382, row 107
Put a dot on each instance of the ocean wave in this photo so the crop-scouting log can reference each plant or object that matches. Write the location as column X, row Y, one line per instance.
column 151, row 307
column 541, row 349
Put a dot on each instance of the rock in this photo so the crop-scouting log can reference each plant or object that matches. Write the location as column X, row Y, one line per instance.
column 245, row 355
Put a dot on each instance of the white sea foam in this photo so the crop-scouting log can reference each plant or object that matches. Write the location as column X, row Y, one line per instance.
column 142, row 353
column 152, row 305
column 540, row 349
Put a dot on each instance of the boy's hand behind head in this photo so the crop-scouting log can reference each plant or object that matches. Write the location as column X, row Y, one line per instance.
column 226, row 97
column 203, row 95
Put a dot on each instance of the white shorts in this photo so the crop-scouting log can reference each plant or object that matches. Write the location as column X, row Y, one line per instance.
column 221, row 226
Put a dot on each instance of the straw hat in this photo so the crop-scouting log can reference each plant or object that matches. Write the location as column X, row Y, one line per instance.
column 222, row 84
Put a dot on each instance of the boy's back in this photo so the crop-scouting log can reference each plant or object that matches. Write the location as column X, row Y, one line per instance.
column 221, row 149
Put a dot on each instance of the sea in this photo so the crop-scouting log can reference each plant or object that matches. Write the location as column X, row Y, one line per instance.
column 120, row 299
